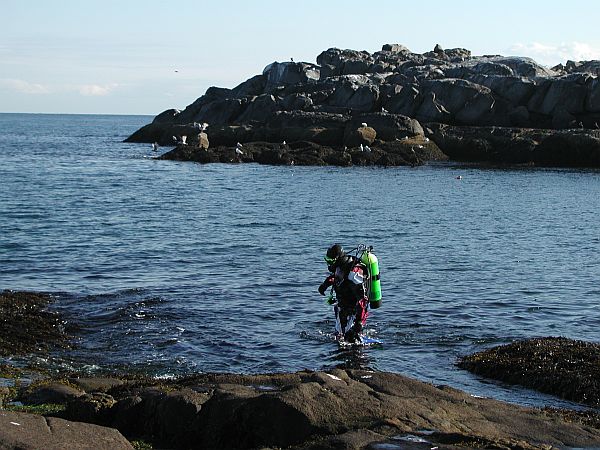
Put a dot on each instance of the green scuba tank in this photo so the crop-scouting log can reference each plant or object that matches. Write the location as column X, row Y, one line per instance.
column 370, row 260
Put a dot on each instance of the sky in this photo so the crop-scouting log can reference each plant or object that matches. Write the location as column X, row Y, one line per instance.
column 143, row 57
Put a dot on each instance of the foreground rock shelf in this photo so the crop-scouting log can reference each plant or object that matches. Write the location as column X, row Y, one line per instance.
column 306, row 410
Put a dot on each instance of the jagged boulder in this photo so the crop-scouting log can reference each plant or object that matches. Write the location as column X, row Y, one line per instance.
column 281, row 74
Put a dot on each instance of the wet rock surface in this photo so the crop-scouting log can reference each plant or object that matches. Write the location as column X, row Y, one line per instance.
column 407, row 152
column 394, row 91
column 26, row 326
column 567, row 368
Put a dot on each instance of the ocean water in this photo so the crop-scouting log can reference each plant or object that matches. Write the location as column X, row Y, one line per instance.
column 170, row 268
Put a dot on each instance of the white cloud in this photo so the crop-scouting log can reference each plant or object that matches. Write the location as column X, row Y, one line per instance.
column 554, row 54
column 24, row 86
column 96, row 89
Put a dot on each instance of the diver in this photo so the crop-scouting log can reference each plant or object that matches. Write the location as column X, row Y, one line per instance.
column 348, row 277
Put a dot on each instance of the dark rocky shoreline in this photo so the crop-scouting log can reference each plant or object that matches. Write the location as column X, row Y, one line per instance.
column 490, row 108
column 563, row 367
column 305, row 410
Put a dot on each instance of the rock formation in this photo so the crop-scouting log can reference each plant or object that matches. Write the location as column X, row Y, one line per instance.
column 563, row 367
column 316, row 410
column 394, row 91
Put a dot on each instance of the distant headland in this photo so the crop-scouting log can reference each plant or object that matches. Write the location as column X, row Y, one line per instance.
column 394, row 107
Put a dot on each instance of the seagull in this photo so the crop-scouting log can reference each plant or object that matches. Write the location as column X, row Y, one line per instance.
column 367, row 149
column 426, row 139
column 155, row 147
column 239, row 151
column 405, row 138
column 364, row 124
column 175, row 138
column 419, row 146
column 361, row 148
column 284, row 143
column 238, row 145
column 204, row 126
column 183, row 140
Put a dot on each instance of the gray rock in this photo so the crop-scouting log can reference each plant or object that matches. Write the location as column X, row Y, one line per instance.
column 593, row 99
column 96, row 384
column 259, row 109
column 52, row 392
column 395, row 48
column 29, row 431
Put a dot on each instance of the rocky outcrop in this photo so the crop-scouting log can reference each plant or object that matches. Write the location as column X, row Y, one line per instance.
column 301, row 101
column 27, row 326
column 308, row 409
column 406, row 152
column 498, row 145
column 563, row 367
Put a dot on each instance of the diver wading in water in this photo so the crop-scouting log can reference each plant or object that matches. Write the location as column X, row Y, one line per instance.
column 355, row 281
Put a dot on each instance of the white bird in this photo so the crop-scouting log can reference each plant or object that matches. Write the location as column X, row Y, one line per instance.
column 426, row 139
column 175, row 138
column 419, row 146
column 364, row 124
column 362, row 148
column 367, row 149
column 405, row 138
column 238, row 145
column 183, row 140
column 204, row 126
column 155, row 147
column 284, row 143
column 239, row 151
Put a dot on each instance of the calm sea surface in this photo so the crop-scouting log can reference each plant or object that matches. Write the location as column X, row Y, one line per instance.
column 171, row 268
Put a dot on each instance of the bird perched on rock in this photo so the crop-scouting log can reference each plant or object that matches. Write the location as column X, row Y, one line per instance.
column 184, row 140
column 284, row 143
column 238, row 149
column 361, row 148
column 426, row 139
column 367, row 149
column 204, row 126
column 155, row 147
column 364, row 124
